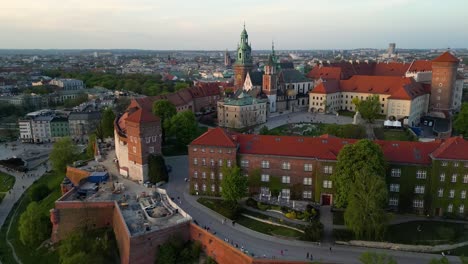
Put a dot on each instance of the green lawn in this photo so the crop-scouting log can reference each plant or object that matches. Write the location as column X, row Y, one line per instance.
column 6, row 182
column 346, row 113
column 221, row 207
column 267, row 228
column 338, row 217
column 392, row 134
column 26, row 253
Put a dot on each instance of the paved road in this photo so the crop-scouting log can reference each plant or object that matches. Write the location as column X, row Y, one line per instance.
column 261, row 244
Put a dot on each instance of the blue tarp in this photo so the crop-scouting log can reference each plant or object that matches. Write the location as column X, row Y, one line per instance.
column 416, row 130
column 97, row 177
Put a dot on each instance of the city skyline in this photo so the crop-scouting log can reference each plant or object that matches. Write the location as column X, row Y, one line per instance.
column 179, row 25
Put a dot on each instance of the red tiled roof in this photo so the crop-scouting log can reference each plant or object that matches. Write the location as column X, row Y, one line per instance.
column 391, row 69
column 215, row 137
column 420, row 66
column 446, row 57
column 452, row 148
column 325, row 73
column 330, row 86
column 140, row 115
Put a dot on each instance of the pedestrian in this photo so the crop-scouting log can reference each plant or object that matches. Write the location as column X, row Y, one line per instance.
column 307, row 256
column 233, row 223
column 311, row 257
column 281, row 252
column 237, row 245
column 330, row 249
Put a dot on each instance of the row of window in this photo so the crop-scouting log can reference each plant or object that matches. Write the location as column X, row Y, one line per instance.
column 440, row 193
column 455, row 164
column 422, row 174
column 212, row 162
column 203, row 175
column 220, row 150
column 454, row 178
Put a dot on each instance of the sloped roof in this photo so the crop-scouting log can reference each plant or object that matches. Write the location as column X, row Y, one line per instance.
column 215, row 137
column 293, row 76
column 452, row 148
column 391, row 69
column 325, row 73
column 139, row 115
column 330, row 86
column 420, row 66
column 256, row 78
column 76, row 175
column 446, row 57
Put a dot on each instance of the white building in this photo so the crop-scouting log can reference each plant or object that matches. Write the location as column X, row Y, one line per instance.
column 68, row 84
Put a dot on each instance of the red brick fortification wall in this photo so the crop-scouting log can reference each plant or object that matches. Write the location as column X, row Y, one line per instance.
column 144, row 247
column 122, row 236
column 68, row 215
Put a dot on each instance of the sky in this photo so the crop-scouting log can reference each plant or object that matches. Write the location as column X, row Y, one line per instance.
column 216, row 24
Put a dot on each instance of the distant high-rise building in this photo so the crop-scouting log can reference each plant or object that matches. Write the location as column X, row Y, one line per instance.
column 391, row 49
column 227, row 59
column 243, row 63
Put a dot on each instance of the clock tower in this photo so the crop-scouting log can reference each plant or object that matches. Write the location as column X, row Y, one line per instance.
column 243, row 63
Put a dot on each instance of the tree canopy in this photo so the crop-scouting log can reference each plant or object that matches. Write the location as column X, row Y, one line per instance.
column 34, row 226
column 63, row 153
column 165, row 110
column 352, row 159
column 369, row 108
column 461, row 121
column 184, row 127
column 365, row 214
column 107, row 122
column 157, row 169
column 234, row 184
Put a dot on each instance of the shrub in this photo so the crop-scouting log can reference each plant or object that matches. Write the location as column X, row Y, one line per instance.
column 39, row 192
column 313, row 231
column 263, row 206
column 252, row 203
column 291, row 215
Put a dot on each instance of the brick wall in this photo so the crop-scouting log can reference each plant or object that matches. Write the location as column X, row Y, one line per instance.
column 122, row 236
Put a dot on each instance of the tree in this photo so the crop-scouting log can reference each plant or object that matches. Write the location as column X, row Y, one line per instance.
column 157, row 171
column 353, row 158
column 34, row 226
column 122, row 104
column 91, row 146
column 234, row 184
column 376, row 258
column 369, row 108
column 313, row 231
column 180, row 85
column 264, row 130
column 365, row 215
column 461, row 121
column 63, row 153
column 442, row 260
column 165, row 110
column 39, row 192
column 107, row 122
column 184, row 127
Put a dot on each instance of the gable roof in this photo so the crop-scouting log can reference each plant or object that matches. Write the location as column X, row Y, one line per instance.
column 446, row 57
column 215, row 137
column 390, row 69
column 452, row 148
column 420, row 66
column 327, row 87
column 293, row 76
column 325, row 73
column 139, row 115
column 76, row 175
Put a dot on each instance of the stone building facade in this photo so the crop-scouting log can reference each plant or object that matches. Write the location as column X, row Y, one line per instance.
column 241, row 110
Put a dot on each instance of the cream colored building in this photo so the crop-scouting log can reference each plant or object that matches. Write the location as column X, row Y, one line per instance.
column 241, row 110
column 400, row 97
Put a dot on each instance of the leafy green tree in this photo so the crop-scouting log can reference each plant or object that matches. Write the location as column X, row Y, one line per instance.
column 234, row 184
column 76, row 101
column 370, row 108
column 353, row 158
column 165, row 110
column 157, row 169
column 107, row 122
column 39, row 192
column 442, row 260
column 365, row 215
column 313, row 231
column 180, row 86
column 184, row 127
column 461, row 121
column 91, row 146
column 376, row 258
column 34, row 226
column 264, row 130
column 63, row 153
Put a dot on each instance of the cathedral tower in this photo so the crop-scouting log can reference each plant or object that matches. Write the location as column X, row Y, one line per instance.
column 243, row 63
column 270, row 80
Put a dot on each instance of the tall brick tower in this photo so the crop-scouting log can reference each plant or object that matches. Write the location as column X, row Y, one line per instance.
column 444, row 73
column 270, row 80
column 243, row 63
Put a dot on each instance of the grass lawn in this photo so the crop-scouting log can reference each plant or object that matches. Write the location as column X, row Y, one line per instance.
column 25, row 253
column 431, row 233
column 6, row 182
column 393, row 134
column 338, row 217
column 221, row 207
column 346, row 113
column 267, row 228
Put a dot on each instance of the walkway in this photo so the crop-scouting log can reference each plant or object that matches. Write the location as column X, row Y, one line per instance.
column 326, row 218
column 259, row 243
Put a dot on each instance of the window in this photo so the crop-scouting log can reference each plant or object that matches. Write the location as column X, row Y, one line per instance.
column 195, row 149
column 265, row 164
column 327, row 184
column 463, row 194
column 213, row 188
column 195, row 174
column 307, row 167
column 229, row 151
column 195, row 186
column 454, row 177
column 195, row 161
column 220, row 151
column 211, row 150
column 229, row 163
column 265, row 178
column 134, row 149
column 442, row 177
column 396, row 172
column 285, row 179
column 466, row 164
column 244, row 163
column 220, row 176
column 393, row 201
column 285, row 193
column 203, row 150
column 151, row 149
column 307, row 181
column 220, row 162
column 328, row 169
column 203, row 175
column 220, row 189
column 395, row 187
column 421, row 174
column 444, row 163
column 419, row 189
column 154, row 139
column 307, row 194
column 461, row 209
column 455, row 164
column 212, row 163
column 204, row 187
column 203, row 162
column 418, row 203
column 440, row 193
column 450, row 208
column 286, row 166
column 465, row 178
column 212, row 175
column 148, row 139
column 452, row 193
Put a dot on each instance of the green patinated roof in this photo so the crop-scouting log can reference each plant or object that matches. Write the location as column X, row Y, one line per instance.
column 242, row 98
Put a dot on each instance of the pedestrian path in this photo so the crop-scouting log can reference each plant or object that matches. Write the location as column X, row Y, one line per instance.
column 326, row 218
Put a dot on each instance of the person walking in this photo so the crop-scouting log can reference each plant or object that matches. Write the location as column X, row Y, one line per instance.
column 307, row 256
column 330, row 249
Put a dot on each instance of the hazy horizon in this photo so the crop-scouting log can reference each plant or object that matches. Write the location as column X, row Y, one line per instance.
column 212, row 25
